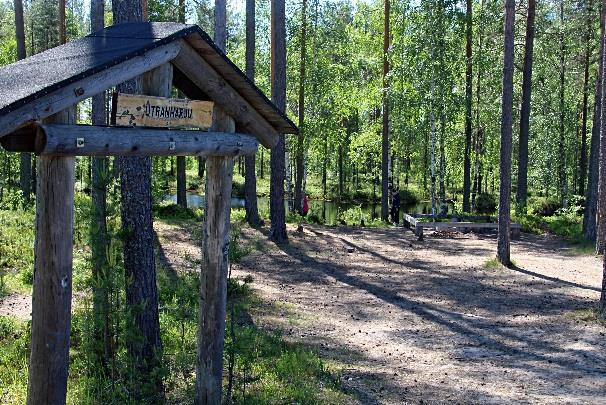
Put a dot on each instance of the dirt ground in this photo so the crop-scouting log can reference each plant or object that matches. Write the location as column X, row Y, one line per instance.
column 427, row 322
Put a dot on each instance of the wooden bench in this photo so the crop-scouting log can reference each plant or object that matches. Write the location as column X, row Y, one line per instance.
column 418, row 226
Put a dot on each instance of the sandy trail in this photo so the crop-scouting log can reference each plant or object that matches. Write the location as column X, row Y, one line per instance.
column 424, row 322
column 427, row 322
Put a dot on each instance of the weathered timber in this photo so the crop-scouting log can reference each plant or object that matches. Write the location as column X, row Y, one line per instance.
column 213, row 275
column 21, row 140
column 65, row 97
column 192, row 65
column 457, row 217
column 418, row 226
column 148, row 111
column 88, row 140
column 52, row 291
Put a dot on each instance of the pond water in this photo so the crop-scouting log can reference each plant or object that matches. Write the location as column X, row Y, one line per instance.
column 328, row 211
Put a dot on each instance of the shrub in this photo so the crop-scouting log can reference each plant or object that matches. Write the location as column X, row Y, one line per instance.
column 408, row 198
column 353, row 216
column 568, row 225
column 486, row 203
column 237, row 189
column 576, row 206
column 530, row 223
column 175, row 211
column 545, row 207
column 194, row 185
column 314, row 219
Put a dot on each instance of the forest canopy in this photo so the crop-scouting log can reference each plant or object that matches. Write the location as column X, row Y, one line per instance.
column 343, row 84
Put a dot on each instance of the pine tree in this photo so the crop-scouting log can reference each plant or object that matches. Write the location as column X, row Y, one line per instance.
column 503, row 251
column 277, row 212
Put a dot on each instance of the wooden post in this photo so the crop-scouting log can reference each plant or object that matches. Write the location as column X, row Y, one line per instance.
column 52, row 293
column 419, row 230
column 215, row 264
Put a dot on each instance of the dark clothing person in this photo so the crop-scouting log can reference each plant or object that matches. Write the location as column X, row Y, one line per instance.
column 395, row 207
column 305, row 209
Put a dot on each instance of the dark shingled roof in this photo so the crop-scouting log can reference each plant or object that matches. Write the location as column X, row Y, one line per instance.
column 40, row 74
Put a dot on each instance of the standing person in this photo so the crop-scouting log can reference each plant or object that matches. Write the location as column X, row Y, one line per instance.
column 395, row 207
column 305, row 209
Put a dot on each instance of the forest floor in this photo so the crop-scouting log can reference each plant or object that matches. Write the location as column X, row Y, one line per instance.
column 423, row 321
column 437, row 321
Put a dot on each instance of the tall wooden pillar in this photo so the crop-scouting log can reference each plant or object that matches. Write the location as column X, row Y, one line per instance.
column 52, row 294
column 215, row 265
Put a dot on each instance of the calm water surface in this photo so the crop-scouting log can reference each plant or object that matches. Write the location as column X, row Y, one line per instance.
column 326, row 210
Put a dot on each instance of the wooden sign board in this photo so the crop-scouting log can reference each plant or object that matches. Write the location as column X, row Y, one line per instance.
column 130, row 110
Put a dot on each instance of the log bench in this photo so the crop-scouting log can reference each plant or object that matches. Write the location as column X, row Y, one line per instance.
column 418, row 226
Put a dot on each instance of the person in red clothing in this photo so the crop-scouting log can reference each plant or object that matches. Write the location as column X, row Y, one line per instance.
column 305, row 206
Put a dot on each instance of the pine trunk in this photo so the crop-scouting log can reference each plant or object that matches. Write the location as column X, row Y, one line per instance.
column 300, row 142
column 62, row 36
column 503, row 248
column 591, row 196
column 385, row 131
column 562, row 141
column 25, row 174
column 138, row 233
column 220, row 37
column 583, row 156
column 522, row 190
column 277, row 212
column 477, row 179
column 98, row 232
column 181, row 181
column 601, row 205
column 181, row 160
column 468, row 117
column 250, row 174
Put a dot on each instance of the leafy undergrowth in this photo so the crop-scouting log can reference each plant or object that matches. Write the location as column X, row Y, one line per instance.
column 568, row 225
column 591, row 315
column 262, row 366
column 16, row 245
column 14, row 349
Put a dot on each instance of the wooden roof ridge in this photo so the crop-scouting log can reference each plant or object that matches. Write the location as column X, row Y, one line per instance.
column 27, row 80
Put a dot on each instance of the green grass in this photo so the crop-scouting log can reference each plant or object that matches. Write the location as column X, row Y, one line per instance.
column 492, row 264
column 588, row 315
column 567, row 225
column 267, row 368
column 14, row 348
column 16, row 251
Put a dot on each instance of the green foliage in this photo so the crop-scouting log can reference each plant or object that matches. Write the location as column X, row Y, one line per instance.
column 408, row 198
column 530, row 223
column 354, row 216
column 14, row 351
column 237, row 250
column 568, row 225
column 492, row 264
column 543, row 206
column 268, row 370
column 176, row 212
column 564, row 224
column 486, row 203
column 237, row 189
column 16, row 250
column 576, row 206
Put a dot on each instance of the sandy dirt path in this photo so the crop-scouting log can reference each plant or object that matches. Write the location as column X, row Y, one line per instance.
column 424, row 322
column 427, row 322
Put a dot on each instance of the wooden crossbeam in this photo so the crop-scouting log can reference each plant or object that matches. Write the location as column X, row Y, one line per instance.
column 88, row 140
